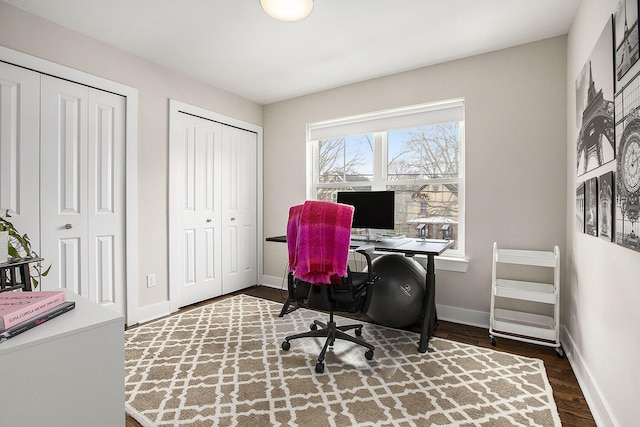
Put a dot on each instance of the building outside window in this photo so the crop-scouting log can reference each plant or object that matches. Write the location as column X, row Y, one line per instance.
column 417, row 151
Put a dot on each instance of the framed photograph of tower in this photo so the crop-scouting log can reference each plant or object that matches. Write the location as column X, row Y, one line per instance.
column 626, row 36
column 594, row 106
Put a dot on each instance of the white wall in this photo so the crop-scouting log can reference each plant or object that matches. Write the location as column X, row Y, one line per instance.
column 600, row 304
column 515, row 154
column 24, row 32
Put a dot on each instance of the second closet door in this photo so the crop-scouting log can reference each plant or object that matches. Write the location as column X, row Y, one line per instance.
column 82, row 190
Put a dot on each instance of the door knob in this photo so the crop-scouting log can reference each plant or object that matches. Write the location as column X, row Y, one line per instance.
column 208, row 219
column 68, row 226
column 233, row 219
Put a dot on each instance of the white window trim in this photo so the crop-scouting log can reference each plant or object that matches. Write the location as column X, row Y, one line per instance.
column 382, row 121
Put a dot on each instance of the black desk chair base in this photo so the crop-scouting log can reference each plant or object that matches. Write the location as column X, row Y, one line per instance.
column 331, row 331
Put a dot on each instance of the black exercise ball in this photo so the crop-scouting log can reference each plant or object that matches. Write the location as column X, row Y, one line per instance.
column 398, row 296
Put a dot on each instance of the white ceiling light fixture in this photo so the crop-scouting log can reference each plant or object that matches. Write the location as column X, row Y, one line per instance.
column 287, row 10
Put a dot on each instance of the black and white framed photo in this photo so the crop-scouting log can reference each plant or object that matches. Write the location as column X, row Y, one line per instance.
column 626, row 36
column 591, row 206
column 580, row 207
column 605, row 206
column 628, row 178
column 594, row 106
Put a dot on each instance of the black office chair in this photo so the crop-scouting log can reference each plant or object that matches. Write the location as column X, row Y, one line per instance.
column 351, row 295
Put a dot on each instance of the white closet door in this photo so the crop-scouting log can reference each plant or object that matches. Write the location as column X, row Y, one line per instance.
column 82, row 191
column 239, row 174
column 198, row 164
column 19, row 149
column 106, row 200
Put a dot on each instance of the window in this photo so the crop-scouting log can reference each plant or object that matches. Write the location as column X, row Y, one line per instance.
column 418, row 152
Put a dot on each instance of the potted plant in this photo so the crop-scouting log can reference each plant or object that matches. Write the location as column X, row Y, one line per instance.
column 16, row 245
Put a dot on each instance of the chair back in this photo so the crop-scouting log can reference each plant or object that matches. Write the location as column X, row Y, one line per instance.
column 318, row 239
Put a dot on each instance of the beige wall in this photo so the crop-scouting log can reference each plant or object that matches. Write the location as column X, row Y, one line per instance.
column 29, row 34
column 602, row 290
column 515, row 153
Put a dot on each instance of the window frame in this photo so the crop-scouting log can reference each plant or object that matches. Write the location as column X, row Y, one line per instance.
column 378, row 124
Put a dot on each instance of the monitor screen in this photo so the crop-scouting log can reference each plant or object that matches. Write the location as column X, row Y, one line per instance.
column 373, row 209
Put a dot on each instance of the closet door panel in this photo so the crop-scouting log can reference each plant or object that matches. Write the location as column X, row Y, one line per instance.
column 64, row 110
column 106, row 199
column 240, row 208
column 19, row 148
column 197, row 181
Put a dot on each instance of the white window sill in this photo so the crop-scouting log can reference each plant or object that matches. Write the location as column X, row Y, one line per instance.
column 458, row 265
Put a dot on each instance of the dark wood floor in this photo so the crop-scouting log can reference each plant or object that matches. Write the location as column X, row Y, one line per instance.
column 570, row 401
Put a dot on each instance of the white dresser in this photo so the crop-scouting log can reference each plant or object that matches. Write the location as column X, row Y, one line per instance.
column 66, row 372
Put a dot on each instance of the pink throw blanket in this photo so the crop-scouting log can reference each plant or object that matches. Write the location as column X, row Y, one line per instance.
column 322, row 233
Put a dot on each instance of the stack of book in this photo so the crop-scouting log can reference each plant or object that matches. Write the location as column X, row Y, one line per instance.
column 21, row 311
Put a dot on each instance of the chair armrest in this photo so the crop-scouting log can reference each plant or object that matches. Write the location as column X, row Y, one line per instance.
column 366, row 251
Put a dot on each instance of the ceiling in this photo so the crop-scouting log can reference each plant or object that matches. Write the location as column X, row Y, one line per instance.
column 235, row 46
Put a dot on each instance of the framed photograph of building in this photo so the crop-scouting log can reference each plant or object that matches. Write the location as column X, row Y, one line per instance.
column 594, row 106
column 591, row 206
column 605, row 206
column 580, row 207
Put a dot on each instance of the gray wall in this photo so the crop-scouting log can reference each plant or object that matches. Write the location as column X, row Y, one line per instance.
column 30, row 34
column 515, row 154
column 602, row 290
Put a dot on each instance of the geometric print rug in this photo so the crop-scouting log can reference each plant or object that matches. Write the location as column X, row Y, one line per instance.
column 222, row 365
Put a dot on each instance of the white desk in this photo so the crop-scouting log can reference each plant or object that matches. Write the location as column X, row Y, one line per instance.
column 66, row 372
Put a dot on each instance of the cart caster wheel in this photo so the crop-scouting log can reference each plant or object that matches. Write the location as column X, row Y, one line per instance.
column 286, row 345
column 359, row 332
column 493, row 340
column 313, row 327
column 319, row 368
column 560, row 352
column 368, row 354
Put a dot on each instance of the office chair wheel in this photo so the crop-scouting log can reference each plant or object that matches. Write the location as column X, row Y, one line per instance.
column 286, row 345
column 359, row 332
column 319, row 368
column 368, row 354
column 313, row 327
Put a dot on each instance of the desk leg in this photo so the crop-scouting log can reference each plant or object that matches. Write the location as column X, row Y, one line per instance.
column 429, row 315
column 285, row 307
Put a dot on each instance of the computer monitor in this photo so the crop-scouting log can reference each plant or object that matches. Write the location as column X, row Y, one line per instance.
column 373, row 209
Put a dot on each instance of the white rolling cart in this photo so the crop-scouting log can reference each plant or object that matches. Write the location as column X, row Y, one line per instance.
column 528, row 326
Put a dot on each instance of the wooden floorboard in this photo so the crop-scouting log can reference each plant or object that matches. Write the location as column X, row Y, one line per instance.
column 568, row 396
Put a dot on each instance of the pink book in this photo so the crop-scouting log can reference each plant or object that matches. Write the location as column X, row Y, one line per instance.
column 16, row 307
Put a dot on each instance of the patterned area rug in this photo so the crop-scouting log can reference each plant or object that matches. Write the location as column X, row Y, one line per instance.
column 222, row 365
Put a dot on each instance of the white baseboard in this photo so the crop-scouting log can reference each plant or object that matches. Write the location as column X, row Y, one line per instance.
column 274, row 282
column 595, row 399
column 463, row 316
column 155, row 311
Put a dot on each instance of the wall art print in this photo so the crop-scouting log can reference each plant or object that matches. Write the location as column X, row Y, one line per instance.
column 626, row 36
column 580, row 207
column 627, row 127
column 591, row 206
column 594, row 106
column 605, row 206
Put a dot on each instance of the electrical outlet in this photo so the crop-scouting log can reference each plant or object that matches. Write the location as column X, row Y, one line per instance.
column 151, row 280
